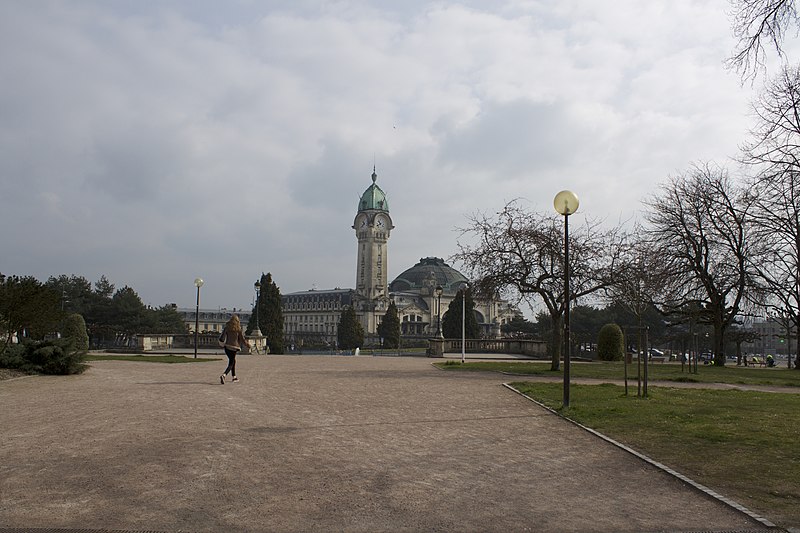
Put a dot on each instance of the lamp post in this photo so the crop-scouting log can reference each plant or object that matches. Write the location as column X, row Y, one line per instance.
column 257, row 332
column 438, row 292
column 464, row 288
column 566, row 203
column 198, row 282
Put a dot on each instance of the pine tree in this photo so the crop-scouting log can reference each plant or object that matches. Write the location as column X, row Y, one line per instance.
column 270, row 315
column 389, row 328
column 451, row 321
column 351, row 332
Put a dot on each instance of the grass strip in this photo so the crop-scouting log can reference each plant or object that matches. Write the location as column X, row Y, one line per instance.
column 743, row 444
column 656, row 372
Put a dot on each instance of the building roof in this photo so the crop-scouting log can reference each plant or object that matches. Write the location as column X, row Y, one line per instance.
column 426, row 275
column 320, row 292
column 373, row 198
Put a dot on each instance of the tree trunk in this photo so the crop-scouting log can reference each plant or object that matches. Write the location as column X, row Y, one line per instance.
column 797, row 352
column 719, row 342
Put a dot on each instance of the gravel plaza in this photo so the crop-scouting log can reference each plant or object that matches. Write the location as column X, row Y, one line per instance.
column 318, row 443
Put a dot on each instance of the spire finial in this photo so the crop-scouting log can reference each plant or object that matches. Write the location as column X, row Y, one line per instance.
column 374, row 175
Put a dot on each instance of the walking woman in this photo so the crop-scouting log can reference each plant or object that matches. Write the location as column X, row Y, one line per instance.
column 232, row 340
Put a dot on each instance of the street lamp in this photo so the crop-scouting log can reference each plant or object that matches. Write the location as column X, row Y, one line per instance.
column 257, row 332
column 464, row 288
column 438, row 292
column 566, row 204
column 198, row 282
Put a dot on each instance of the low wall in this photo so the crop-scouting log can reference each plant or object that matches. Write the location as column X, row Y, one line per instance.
column 534, row 348
column 154, row 342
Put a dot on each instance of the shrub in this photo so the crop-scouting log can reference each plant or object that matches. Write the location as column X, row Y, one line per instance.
column 12, row 356
column 75, row 330
column 610, row 343
column 45, row 357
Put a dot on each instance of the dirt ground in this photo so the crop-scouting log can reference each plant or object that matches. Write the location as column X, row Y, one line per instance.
column 319, row 443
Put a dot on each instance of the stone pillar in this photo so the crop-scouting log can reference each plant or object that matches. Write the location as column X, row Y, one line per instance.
column 436, row 347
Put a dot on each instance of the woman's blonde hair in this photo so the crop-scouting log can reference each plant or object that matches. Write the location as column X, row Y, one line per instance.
column 234, row 325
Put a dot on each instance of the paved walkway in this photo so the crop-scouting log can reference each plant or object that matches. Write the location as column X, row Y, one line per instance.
column 318, row 443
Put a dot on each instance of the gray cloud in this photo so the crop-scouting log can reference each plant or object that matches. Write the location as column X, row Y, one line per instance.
column 156, row 142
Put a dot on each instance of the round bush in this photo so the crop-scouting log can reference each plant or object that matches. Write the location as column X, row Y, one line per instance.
column 610, row 343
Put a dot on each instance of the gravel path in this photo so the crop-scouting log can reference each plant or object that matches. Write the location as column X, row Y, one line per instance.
column 319, row 444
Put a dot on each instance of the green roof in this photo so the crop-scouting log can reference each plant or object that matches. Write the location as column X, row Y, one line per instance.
column 373, row 197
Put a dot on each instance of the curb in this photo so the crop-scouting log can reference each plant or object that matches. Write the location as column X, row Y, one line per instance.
column 702, row 488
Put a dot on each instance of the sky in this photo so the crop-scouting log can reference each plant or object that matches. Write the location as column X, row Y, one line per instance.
column 157, row 142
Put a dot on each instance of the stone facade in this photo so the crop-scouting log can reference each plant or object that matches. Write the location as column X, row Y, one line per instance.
column 212, row 320
column 311, row 317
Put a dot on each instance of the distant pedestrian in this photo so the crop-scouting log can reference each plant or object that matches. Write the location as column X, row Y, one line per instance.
column 232, row 340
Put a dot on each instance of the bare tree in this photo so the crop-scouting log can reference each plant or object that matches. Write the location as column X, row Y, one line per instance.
column 522, row 253
column 698, row 224
column 777, row 218
column 775, row 140
column 758, row 24
column 774, row 154
column 740, row 334
column 641, row 275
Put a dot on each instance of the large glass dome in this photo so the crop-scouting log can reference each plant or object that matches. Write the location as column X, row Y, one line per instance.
column 426, row 275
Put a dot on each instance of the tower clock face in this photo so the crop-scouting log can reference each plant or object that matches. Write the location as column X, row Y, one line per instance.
column 381, row 223
column 361, row 222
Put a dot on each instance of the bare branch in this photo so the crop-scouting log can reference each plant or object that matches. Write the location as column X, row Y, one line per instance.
column 758, row 24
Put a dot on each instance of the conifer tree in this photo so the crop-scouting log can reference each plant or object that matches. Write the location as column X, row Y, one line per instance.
column 270, row 314
column 351, row 332
column 451, row 321
column 75, row 331
column 389, row 328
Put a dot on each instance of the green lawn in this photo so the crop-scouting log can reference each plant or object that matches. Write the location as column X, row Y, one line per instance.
column 656, row 372
column 742, row 444
column 150, row 358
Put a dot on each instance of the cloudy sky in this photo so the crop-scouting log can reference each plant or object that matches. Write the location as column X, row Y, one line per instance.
column 154, row 142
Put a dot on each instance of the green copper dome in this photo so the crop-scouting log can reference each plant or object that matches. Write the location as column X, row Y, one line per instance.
column 373, row 197
column 429, row 272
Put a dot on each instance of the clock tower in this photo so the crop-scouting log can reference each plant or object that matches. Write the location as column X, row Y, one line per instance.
column 373, row 226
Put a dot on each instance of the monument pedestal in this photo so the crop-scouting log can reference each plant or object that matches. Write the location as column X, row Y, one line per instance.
column 436, row 347
column 258, row 342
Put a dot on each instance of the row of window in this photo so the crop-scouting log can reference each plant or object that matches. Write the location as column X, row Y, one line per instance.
column 311, row 328
column 310, row 318
column 311, row 306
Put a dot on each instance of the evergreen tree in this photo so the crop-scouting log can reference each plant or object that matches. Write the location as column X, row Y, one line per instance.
column 75, row 331
column 389, row 328
column 166, row 319
column 75, row 292
column 610, row 343
column 127, row 314
column 270, row 314
column 27, row 306
column 451, row 321
column 103, row 287
column 351, row 332
column 520, row 326
column 98, row 315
